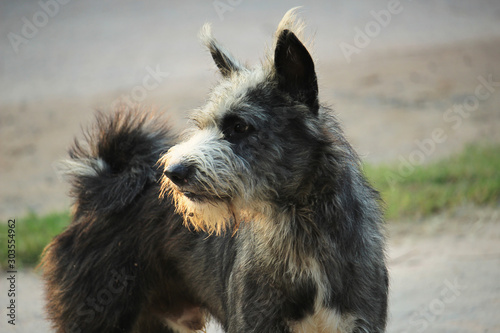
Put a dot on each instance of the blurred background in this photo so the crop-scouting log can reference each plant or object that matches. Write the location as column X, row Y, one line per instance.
column 416, row 85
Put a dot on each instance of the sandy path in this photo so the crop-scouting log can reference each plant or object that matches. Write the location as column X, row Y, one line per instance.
column 445, row 280
column 444, row 277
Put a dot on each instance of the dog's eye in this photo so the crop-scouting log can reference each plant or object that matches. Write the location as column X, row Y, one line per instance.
column 240, row 128
column 235, row 129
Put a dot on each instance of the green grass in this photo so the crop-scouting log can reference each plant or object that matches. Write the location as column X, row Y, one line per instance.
column 32, row 233
column 471, row 177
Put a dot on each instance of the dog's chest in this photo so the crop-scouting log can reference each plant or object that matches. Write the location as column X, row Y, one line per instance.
column 325, row 321
column 293, row 267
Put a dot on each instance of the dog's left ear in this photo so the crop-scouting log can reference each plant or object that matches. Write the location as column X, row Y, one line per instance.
column 295, row 70
column 226, row 63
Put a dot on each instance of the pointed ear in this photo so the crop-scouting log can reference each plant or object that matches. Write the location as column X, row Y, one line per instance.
column 226, row 63
column 295, row 70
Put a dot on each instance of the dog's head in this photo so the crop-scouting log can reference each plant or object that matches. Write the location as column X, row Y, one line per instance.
column 255, row 143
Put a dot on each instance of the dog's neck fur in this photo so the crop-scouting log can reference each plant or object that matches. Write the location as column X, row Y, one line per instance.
column 286, row 228
column 284, row 242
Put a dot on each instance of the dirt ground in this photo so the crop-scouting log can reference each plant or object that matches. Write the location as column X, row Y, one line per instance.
column 434, row 67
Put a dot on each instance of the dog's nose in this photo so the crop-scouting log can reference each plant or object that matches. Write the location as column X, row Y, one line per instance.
column 178, row 174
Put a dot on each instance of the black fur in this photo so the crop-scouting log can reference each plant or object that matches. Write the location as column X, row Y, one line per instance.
column 126, row 263
column 295, row 69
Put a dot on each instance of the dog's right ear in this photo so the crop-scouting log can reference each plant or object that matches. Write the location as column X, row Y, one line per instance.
column 226, row 63
column 295, row 69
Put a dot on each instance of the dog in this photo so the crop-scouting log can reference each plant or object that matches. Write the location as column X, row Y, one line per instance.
column 259, row 216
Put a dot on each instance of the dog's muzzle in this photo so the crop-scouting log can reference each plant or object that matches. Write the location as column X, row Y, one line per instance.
column 179, row 174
